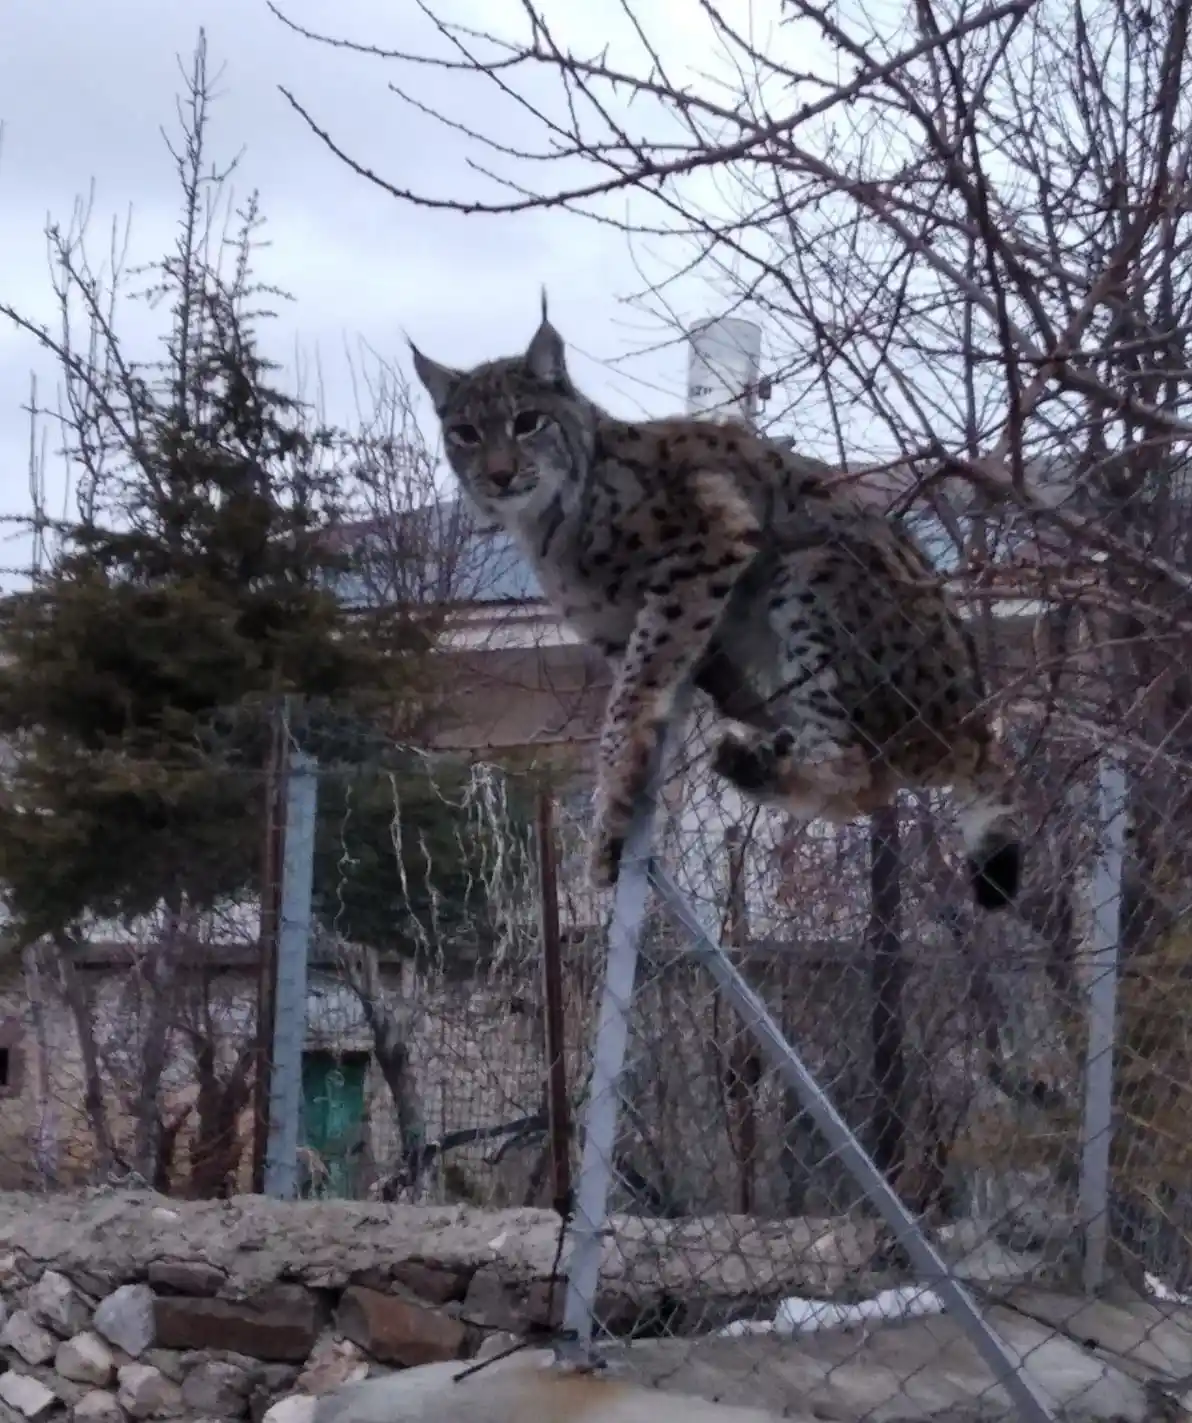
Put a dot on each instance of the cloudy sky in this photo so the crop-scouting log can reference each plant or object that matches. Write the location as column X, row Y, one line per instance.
column 84, row 91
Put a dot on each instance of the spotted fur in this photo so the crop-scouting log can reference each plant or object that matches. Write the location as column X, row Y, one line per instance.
column 688, row 548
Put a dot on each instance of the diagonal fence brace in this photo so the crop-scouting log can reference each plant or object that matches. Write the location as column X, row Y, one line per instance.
column 1032, row 1403
column 589, row 1226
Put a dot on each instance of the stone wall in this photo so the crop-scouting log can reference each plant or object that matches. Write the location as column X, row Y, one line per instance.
column 130, row 1305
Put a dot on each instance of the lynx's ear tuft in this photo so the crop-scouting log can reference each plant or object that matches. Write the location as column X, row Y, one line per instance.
column 439, row 380
column 545, row 354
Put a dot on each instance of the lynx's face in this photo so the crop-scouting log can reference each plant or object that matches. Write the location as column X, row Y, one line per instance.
column 514, row 429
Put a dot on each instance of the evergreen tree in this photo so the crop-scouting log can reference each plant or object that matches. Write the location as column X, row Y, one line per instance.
column 192, row 589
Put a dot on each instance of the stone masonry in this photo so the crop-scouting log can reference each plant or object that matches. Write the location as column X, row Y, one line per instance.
column 117, row 1306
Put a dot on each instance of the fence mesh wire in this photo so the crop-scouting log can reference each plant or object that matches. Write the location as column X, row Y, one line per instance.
column 954, row 1043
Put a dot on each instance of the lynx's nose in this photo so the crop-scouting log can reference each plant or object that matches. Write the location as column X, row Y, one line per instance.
column 500, row 465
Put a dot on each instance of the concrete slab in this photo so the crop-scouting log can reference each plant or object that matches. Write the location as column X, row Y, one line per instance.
column 522, row 1389
column 921, row 1369
column 1095, row 1360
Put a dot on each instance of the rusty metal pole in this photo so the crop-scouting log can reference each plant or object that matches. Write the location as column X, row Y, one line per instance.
column 271, row 862
column 745, row 1064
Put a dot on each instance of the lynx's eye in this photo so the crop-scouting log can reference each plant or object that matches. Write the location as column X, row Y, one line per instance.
column 463, row 434
column 528, row 422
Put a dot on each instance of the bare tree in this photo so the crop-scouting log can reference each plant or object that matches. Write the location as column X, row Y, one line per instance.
column 967, row 230
column 945, row 236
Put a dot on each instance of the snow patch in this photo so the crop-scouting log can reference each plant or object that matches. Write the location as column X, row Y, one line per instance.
column 1163, row 1292
column 796, row 1315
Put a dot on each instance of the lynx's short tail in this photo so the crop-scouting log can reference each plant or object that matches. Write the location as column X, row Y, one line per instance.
column 989, row 827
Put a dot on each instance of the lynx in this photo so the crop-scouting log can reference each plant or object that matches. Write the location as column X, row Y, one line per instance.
column 686, row 548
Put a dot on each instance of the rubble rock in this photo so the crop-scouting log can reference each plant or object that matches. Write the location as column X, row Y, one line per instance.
column 217, row 1390
column 280, row 1324
column 93, row 1283
column 27, row 1396
column 296, row 1409
column 332, row 1364
column 67, row 1393
column 192, row 1358
column 85, row 1359
column 434, row 1283
column 145, row 1392
column 169, row 1361
column 12, row 1270
column 126, row 1319
column 23, row 1334
column 186, row 1277
column 497, row 1343
column 97, row 1407
column 278, row 1378
column 493, row 1302
column 54, row 1301
column 396, row 1331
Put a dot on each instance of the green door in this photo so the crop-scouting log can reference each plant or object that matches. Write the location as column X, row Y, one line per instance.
column 333, row 1122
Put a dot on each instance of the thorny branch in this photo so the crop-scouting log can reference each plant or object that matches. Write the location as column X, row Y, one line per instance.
column 980, row 167
column 966, row 232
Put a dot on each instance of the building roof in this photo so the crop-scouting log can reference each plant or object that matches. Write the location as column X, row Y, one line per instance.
column 445, row 553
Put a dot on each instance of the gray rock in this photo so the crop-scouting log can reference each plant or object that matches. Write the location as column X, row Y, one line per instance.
column 295, row 1409
column 93, row 1283
column 332, row 1364
column 496, row 1343
column 217, row 1390
column 277, row 1378
column 54, row 1301
column 494, row 1302
column 67, row 1390
column 192, row 1358
column 26, row 1396
column 125, row 1319
column 97, row 1407
column 85, row 1359
column 145, row 1392
column 11, row 1273
column 23, row 1334
column 169, row 1361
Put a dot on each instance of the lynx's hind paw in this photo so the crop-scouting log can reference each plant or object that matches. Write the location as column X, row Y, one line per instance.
column 755, row 765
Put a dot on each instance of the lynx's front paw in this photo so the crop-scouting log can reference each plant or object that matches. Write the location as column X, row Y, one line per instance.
column 610, row 832
column 604, row 862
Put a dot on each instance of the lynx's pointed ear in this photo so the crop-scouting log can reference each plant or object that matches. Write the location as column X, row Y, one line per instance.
column 545, row 355
column 438, row 380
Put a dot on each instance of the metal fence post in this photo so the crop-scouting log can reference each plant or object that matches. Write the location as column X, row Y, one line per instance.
column 628, row 922
column 1101, row 1005
column 289, row 1032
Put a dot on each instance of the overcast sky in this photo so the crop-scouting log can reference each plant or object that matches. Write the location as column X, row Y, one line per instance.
column 84, row 90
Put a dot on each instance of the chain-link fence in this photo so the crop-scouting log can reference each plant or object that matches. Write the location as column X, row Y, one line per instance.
column 408, row 886
column 430, row 967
